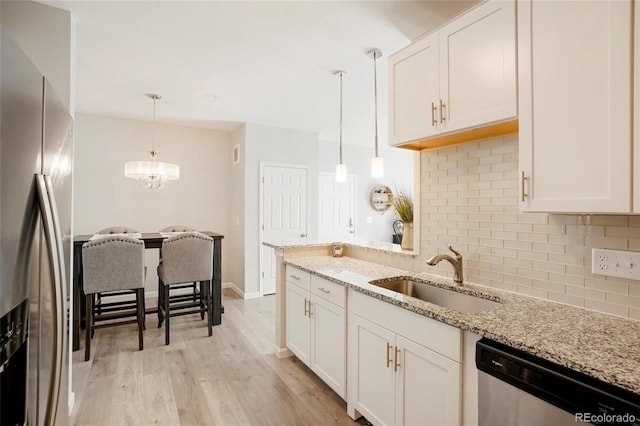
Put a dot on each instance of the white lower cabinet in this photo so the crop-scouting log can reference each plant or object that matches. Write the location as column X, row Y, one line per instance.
column 316, row 327
column 394, row 379
column 298, row 322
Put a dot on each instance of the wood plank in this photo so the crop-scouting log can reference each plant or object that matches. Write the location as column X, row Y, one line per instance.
column 227, row 379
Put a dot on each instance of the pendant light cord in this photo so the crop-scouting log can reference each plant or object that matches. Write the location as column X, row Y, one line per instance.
column 153, row 141
column 341, row 118
column 375, row 94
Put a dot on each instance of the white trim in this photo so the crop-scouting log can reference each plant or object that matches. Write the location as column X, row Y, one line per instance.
column 264, row 164
column 281, row 353
column 241, row 293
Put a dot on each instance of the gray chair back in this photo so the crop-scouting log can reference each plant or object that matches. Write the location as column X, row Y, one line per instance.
column 177, row 228
column 118, row 230
column 112, row 263
column 186, row 258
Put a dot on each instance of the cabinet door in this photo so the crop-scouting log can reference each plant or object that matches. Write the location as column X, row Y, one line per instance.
column 371, row 375
column 427, row 386
column 298, row 322
column 413, row 92
column 478, row 67
column 328, row 344
column 575, row 105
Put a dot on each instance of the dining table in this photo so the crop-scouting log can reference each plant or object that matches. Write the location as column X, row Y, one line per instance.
column 152, row 240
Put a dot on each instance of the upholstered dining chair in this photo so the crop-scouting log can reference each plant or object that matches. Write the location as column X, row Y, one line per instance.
column 194, row 294
column 127, row 303
column 110, row 265
column 186, row 258
column 118, row 230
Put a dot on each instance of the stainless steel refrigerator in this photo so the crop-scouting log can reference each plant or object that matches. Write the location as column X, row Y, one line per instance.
column 36, row 162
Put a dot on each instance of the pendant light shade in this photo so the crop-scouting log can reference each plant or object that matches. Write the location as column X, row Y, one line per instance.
column 341, row 168
column 152, row 174
column 377, row 165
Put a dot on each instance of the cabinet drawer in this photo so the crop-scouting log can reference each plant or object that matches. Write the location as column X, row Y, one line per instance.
column 333, row 292
column 298, row 277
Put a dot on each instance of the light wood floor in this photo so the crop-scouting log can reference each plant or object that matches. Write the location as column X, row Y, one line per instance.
column 231, row 378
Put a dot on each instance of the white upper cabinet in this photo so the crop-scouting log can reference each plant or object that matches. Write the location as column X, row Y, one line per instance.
column 414, row 92
column 478, row 67
column 459, row 78
column 575, row 100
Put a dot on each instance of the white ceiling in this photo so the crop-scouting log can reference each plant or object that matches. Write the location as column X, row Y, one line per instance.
column 218, row 63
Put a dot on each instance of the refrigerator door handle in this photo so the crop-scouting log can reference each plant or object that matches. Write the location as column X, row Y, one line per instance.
column 46, row 204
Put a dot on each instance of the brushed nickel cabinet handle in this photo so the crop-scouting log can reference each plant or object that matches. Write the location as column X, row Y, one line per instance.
column 295, row 277
column 442, row 109
column 388, row 354
column 306, row 311
column 324, row 290
column 434, row 110
column 523, row 194
column 310, row 313
column 397, row 363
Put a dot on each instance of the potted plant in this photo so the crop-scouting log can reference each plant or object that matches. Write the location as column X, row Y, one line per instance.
column 403, row 204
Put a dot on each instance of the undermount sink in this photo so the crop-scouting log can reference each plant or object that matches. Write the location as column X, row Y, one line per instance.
column 438, row 296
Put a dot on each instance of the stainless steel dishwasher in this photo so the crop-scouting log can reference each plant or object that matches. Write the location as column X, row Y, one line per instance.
column 516, row 388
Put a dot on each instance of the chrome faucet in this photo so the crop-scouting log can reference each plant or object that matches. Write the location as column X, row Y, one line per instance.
column 456, row 263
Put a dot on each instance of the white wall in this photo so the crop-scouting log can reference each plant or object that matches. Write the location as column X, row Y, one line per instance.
column 48, row 37
column 104, row 197
column 272, row 144
column 235, row 243
column 398, row 173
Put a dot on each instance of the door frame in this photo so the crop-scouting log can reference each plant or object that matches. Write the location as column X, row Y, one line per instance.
column 355, row 199
column 264, row 164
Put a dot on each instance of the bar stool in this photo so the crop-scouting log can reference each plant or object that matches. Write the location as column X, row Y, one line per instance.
column 195, row 294
column 186, row 258
column 110, row 265
column 128, row 302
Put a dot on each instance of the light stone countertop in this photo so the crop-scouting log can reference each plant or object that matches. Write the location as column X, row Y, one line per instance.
column 374, row 246
column 599, row 345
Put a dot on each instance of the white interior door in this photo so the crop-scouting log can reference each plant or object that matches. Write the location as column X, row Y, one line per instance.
column 337, row 208
column 284, row 214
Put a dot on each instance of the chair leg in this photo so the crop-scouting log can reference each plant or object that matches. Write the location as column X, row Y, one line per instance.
column 144, row 312
column 89, row 326
column 195, row 292
column 140, row 309
column 95, row 298
column 209, row 310
column 167, row 314
column 160, row 303
column 202, row 297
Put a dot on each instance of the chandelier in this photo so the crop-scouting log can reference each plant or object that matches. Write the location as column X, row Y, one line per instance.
column 152, row 174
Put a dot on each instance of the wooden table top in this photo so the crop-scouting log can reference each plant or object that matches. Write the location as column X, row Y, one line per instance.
column 147, row 237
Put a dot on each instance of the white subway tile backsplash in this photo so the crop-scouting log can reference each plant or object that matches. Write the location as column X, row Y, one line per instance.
column 470, row 199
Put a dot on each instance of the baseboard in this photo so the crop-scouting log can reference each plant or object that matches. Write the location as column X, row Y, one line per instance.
column 252, row 295
column 281, row 353
column 240, row 292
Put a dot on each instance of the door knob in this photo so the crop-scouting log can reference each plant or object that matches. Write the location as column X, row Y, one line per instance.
column 303, row 235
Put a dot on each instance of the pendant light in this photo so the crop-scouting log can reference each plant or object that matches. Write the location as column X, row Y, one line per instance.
column 377, row 166
column 341, row 168
column 152, row 174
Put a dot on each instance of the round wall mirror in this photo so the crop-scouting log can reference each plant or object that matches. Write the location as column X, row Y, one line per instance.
column 381, row 197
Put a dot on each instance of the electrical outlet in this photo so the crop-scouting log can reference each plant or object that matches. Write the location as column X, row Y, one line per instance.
column 616, row 263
